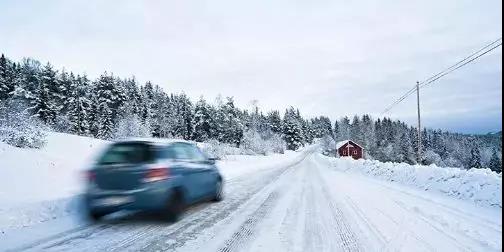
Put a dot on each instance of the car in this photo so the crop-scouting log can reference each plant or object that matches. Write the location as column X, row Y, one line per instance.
column 163, row 176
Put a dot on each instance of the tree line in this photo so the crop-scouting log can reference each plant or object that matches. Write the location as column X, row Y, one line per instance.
column 110, row 107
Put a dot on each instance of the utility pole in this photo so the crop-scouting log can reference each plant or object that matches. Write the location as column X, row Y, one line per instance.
column 419, row 152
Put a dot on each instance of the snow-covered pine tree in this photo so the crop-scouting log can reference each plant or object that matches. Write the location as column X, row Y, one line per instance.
column 336, row 132
column 321, row 127
column 308, row 132
column 106, row 125
column 292, row 130
column 132, row 93
column 157, row 116
column 274, row 121
column 7, row 77
column 79, row 106
column 232, row 127
column 475, row 161
column 203, row 124
column 165, row 116
column 406, row 149
column 147, row 92
column 344, row 128
column 66, row 82
column 495, row 163
column 368, row 134
column 45, row 101
column 356, row 130
column 108, row 96
column 184, row 116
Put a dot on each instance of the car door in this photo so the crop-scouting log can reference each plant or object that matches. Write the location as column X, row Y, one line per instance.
column 189, row 171
column 207, row 174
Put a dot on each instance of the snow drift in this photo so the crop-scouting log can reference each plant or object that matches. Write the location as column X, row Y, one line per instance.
column 482, row 186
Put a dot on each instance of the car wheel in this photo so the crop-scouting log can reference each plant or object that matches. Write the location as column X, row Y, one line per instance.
column 219, row 192
column 95, row 216
column 175, row 208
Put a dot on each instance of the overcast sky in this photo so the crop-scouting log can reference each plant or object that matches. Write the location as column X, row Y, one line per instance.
column 331, row 58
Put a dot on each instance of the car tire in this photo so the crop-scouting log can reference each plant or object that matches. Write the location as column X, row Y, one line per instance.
column 96, row 216
column 175, row 208
column 219, row 192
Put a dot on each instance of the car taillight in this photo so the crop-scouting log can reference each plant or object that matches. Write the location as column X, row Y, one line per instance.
column 156, row 174
column 90, row 176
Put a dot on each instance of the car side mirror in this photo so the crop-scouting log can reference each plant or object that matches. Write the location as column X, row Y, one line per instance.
column 211, row 160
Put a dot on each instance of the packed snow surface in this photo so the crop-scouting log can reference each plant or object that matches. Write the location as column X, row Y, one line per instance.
column 299, row 201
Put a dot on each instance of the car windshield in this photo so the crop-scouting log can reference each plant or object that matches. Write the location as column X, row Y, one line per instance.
column 127, row 153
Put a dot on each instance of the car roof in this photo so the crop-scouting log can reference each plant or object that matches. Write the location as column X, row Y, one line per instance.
column 153, row 140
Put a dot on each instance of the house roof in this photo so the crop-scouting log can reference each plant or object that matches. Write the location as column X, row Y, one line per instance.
column 342, row 143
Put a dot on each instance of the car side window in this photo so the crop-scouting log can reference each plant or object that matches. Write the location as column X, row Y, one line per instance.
column 196, row 153
column 189, row 152
column 178, row 151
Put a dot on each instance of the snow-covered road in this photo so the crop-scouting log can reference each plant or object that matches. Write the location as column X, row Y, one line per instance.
column 307, row 206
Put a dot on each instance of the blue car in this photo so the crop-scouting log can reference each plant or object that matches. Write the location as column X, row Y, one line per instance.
column 151, row 175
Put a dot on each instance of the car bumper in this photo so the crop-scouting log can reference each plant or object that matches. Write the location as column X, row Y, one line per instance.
column 150, row 197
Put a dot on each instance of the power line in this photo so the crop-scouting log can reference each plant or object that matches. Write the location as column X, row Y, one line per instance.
column 461, row 61
column 465, row 63
column 479, row 53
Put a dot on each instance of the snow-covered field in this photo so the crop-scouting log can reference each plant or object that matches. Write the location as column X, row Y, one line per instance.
column 298, row 201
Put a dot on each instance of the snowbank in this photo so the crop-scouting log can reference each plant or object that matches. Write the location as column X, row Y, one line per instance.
column 41, row 184
column 482, row 186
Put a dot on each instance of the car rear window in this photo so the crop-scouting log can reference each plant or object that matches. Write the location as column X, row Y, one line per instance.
column 128, row 153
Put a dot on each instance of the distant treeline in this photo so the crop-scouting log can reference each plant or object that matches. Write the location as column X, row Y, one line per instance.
column 109, row 107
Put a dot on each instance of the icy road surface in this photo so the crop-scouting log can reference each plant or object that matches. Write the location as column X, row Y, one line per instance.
column 308, row 206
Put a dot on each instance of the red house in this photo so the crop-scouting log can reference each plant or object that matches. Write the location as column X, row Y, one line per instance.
column 349, row 148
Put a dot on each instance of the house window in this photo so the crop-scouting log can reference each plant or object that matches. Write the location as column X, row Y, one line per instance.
column 344, row 152
column 355, row 152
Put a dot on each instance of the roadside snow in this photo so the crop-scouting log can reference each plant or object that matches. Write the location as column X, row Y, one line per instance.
column 40, row 184
column 481, row 186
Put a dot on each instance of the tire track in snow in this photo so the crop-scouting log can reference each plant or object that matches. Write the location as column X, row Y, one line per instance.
column 325, row 219
column 291, row 225
column 370, row 226
column 245, row 232
column 349, row 240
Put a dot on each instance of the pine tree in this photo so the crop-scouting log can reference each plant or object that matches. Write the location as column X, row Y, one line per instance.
column 368, row 133
column 7, row 78
column 233, row 128
column 274, row 121
column 292, row 130
column 63, row 90
column 475, row 161
column 110, row 90
column 336, row 131
column 184, row 116
column 406, row 149
column 344, row 126
column 105, row 124
column 356, row 131
column 203, row 124
column 79, row 106
column 45, row 103
column 495, row 163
